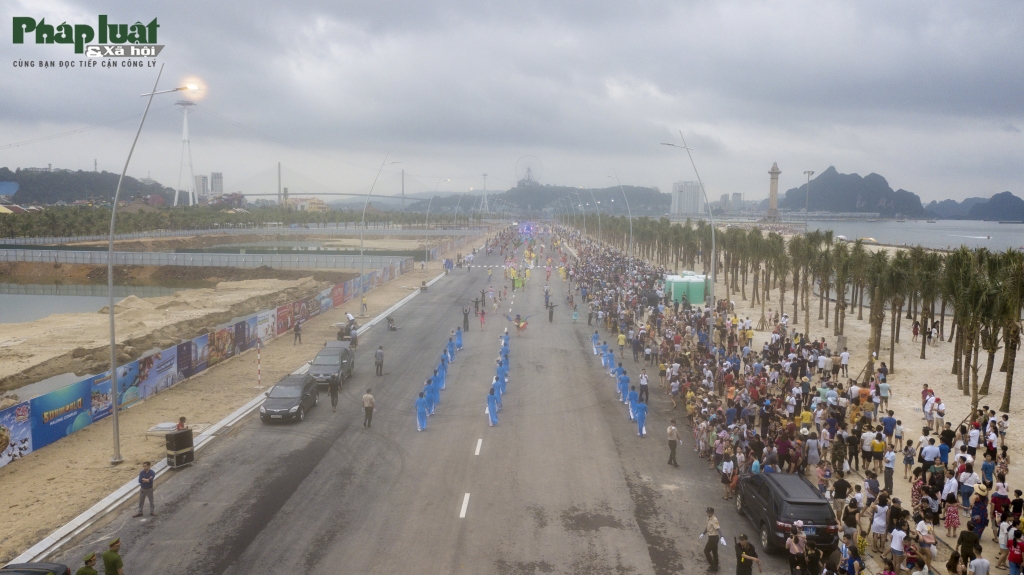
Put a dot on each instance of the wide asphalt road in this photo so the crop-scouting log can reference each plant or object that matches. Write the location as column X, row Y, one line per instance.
column 563, row 484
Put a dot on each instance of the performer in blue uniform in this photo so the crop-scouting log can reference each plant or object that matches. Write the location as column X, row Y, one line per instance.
column 451, row 351
column 431, row 393
column 624, row 388
column 634, row 398
column 442, row 372
column 594, row 339
column 421, row 412
column 458, row 338
column 641, row 417
column 497, row 387
column 492, row 408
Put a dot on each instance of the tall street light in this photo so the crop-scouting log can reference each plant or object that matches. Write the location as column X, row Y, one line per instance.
column 711, row 217
column 616, row 176
column 598, row 207
column 362, row 227
column 116, row 457
column 582, row 209
column 807, row 203
column 426, row 224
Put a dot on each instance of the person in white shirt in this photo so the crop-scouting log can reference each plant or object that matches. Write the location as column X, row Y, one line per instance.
column 844, row 362
column 980, row 565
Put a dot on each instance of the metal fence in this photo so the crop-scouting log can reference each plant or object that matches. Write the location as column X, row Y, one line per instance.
column 333, row 230
column 91, row 290
column 280, row 261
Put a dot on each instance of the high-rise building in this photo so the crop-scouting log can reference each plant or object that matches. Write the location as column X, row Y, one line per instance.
column 737, row 201
column 216, row 183
column 202, row 186
column 723, row 202
column 687, row 198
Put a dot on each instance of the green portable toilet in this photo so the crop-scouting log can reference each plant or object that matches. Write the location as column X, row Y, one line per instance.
column 695, row 288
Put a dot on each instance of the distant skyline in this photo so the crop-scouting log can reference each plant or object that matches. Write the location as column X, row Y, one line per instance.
column 925, row 94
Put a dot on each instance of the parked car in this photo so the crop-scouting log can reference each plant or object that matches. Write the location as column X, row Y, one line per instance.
column 775, row 501
column 335, row 362
column 290, row 399
column 35, row 569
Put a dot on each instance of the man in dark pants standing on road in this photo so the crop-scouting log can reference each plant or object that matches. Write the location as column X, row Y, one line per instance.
column 590, row 314
column 367, row 409
column 713, row 533
column 298, row 333
column 645, row 393
column 378, row 359
column 146, row 478
column 333, row 387
column 465, row 319
column 673, row 442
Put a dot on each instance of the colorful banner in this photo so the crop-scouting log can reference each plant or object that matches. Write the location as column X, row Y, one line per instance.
column 102, row 403
column 222, row 344
column 285, row 318
column 266, row 324
column 337, row 295
column 241, row 338
column 326, row 300
column 61, row 413
column 300, row 310
column 158, row 372
column 185, row 363
column 15, row 432
column 200, row 353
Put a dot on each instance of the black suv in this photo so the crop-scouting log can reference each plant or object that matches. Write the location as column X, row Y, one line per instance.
column 290, row 399
column 775, row 501
column 335, row 362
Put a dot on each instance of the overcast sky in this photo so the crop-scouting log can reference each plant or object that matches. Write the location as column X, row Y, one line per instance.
column 928, row 94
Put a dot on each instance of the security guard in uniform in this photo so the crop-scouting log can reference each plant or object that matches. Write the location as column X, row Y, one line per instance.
column 112, row 563
column 90, row 560
column 713, row 533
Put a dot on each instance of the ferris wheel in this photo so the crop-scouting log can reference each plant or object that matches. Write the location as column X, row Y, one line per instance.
column 529, row 170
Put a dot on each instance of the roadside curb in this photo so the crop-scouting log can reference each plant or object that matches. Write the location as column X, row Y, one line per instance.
column 126, row 492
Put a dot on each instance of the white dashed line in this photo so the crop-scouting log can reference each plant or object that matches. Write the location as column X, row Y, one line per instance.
column 479, row 442
column 465, row 504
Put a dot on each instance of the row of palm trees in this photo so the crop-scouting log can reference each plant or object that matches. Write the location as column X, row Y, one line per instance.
column 980, row 291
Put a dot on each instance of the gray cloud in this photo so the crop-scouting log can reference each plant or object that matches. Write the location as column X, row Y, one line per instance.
column 920, row 92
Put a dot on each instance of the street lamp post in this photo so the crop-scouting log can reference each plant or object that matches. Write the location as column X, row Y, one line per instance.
column 807, row 202
column 362, row 228
column 711, row 217
column 426, row 224
column 116, row 457
column 597, row 205
column 582, row 209
column 630, row 214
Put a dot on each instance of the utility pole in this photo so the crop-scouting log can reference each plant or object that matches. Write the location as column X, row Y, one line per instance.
column 486, row 207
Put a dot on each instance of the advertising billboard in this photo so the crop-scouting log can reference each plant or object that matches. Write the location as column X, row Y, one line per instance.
column 158, row 372
column 61, row 413
column 285, row 318
column 15, row 432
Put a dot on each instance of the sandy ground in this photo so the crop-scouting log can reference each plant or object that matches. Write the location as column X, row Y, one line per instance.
column 51, row 486
column 78, row 342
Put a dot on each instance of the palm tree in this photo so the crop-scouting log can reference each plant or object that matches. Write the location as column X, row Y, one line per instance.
column 928, row 286
column 897, row 279
column 1013, row 301
column 841, row 266
column 797, row 252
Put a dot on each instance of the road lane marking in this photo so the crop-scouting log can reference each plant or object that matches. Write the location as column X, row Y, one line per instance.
column 465, row 504
column 479, row 442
